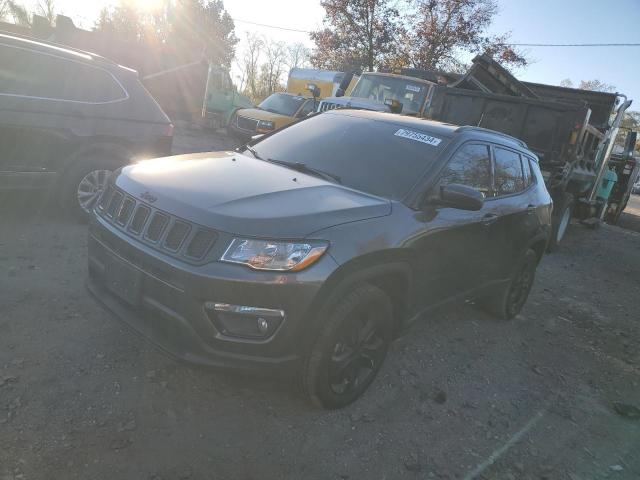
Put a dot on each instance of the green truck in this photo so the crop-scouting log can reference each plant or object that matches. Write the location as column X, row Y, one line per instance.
column 221, row 98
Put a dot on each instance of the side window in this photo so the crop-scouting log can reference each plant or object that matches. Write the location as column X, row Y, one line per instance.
column 471, row 166
column 526, row 171
column 33, row 74
column 529, row 165
column 306, row 109
column 508, row 172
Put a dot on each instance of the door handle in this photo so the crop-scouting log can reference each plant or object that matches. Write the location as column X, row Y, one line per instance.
column 489, row 219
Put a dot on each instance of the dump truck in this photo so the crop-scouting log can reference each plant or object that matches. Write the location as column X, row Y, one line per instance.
column 572, row 131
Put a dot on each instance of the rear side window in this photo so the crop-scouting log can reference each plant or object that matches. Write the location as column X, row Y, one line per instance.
column 508, row 172
column 471, row 166
column 526, row 171
column 39, row 75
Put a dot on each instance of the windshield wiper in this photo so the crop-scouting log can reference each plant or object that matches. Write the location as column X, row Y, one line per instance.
column 253, row 152
column 304, row 168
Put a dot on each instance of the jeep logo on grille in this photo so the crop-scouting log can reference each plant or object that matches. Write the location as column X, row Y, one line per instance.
column 148, row 197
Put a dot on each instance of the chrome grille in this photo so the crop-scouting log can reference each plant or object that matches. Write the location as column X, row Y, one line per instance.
column 114, row 204
column 157, row 229
column 324, row 106
column 106, row 196
column 244, row 123
column 125, row 211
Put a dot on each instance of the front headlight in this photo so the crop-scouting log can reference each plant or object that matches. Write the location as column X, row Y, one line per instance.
column 266, row 125
column 273, row 255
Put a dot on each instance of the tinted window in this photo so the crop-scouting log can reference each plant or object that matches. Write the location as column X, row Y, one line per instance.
column 471, row 166
column 368, row 155
column 306, row 109
column 282, row 103
column 33, row 74
column 411, row 94
column 508, row 172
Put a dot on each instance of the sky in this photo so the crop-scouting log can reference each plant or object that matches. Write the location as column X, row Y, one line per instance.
column 530, row 21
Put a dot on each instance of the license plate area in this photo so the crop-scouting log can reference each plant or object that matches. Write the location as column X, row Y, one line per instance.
column 123, row 280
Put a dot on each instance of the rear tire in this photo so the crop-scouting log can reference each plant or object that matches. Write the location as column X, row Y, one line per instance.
column 84, row 182
column 350, row 348
column 508, row 301
column 562, row 213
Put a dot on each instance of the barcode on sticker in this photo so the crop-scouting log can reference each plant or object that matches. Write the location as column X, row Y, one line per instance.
column 418, row 137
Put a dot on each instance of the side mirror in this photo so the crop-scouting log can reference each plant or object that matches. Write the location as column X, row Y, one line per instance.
column 461, row 197
column 340, row 92
column 313, row 88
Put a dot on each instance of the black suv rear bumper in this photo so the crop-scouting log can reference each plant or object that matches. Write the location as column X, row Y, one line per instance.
column 169, row 306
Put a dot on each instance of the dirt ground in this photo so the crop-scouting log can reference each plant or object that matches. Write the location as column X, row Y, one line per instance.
column 461, row 395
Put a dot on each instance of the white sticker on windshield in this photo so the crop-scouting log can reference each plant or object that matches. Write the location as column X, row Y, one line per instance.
column 412, row 88
column 418, row 137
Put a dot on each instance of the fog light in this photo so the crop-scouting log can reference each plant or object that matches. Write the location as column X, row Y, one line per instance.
column 243, row 321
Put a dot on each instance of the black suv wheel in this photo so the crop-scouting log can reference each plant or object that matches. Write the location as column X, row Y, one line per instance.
column 350, row 348
column 509, row 300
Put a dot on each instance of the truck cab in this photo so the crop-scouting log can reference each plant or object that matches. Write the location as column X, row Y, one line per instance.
column 222, row 98
column 385, row 92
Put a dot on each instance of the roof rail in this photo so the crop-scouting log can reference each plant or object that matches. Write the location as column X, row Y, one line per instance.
column 61, row 46
column 465, row 128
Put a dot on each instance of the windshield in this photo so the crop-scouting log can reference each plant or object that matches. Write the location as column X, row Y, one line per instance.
column 378, row 157
column 411, row 94
column 282, row 103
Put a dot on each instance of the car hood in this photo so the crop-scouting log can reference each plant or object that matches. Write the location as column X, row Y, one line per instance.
column 239, row 194
column 259, row 114
column 355, row 102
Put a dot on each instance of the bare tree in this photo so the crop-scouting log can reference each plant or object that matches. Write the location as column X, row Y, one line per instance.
column 597, row 85
column 567, row 83
column 274, row 66
column 4, row 9
column 298, row 55
column 47, row 9
column 251, row 63
column 19, row 13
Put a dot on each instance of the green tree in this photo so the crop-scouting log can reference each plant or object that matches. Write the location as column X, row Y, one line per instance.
column 189, row 26
column 360, row 34
column 443, row 31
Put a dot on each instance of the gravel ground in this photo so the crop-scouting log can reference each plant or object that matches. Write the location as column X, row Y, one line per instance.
column 461, row 395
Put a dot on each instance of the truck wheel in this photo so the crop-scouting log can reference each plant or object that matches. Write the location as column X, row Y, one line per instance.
column 560, row 220
column 350, row 348
column 508, row 301
column 85, row 181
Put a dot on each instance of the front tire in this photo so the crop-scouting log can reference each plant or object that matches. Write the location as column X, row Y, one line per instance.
column 561, row 219
column 508, row 302
column 350, row 348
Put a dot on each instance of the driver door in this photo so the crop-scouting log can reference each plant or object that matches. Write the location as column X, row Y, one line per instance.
column 453, row 249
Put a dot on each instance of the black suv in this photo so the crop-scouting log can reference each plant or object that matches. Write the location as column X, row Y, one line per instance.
column 67, row 118
column 314, row 245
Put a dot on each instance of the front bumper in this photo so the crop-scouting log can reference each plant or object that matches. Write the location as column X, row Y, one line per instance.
column 165, row 300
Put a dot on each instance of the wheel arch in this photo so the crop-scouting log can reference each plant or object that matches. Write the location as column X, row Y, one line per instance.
column 120, row 150
column 390, row 271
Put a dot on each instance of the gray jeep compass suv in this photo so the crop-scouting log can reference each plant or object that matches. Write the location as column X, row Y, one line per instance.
column 68, row 118
column 313, row 246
